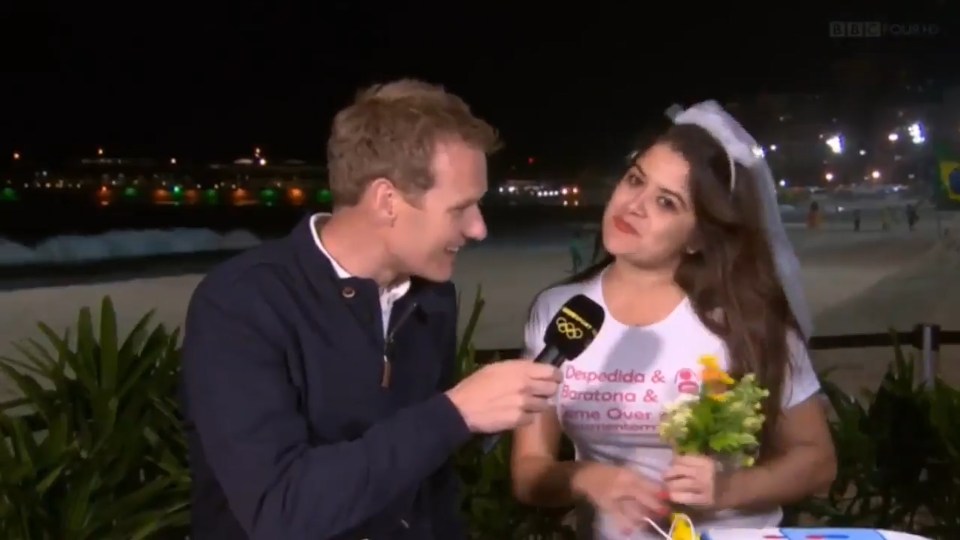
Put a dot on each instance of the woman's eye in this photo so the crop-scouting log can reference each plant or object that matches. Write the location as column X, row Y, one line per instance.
column 667, row 203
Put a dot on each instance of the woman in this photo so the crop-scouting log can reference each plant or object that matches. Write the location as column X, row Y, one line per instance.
column 697, row 264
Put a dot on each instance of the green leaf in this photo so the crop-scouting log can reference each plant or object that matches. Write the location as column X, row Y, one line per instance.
column 108, row 345
column 77, row 502
column 136, row 501
column 56, row 444
column 84, row 461
column 29, row 388
column 50, row 478
column 35, row 367
column 67, row 358
column 466, row 340
column 86, row 344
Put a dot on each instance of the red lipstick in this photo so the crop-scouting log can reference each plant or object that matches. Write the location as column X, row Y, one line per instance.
column 624, row 227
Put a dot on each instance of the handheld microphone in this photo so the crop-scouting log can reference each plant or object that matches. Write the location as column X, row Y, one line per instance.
column 572, row 329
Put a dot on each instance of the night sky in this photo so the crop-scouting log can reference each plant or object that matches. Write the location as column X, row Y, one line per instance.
column 569, row 85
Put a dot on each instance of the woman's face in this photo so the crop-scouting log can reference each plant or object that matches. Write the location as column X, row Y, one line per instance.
column 649, row 219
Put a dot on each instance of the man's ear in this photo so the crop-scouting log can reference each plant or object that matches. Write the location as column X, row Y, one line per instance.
column 383, row 198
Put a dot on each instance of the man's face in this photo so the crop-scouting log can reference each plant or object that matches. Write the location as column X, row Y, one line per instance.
column 432, row 227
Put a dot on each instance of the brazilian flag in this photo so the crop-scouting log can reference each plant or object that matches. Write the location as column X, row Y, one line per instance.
column 948, row 180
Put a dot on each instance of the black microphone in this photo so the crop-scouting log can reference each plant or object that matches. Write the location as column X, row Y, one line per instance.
column 572, row 329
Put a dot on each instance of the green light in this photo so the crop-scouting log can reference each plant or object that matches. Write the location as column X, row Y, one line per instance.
column 177, row 192
column 211, row 196
column 324, row 196
column 269, row 196
column 8, row 194
column 130, row 192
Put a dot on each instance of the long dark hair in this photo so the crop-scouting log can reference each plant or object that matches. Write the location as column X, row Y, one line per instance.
column 733, row 272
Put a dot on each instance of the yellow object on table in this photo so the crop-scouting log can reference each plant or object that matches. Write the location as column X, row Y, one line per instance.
column 682, row 528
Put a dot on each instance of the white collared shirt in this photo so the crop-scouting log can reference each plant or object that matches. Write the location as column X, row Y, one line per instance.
column 388, row 297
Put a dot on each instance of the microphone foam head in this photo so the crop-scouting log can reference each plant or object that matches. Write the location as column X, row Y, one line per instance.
column 575, row 326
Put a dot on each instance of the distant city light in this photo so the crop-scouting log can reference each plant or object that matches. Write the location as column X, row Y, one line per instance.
column 863, row 152
column 263, row 161
column 836, row 144
column 893, row 137
column 173, row 161
column 875, row 174
column 829, row 177
column 783, row 183
column 16, row 156
column 773, row 148
column 99, row 151
column 916, row 133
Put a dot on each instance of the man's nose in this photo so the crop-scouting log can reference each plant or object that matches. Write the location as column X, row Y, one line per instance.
column 477, row 228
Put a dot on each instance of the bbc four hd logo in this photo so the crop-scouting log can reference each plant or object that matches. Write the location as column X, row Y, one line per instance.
column 876, row 29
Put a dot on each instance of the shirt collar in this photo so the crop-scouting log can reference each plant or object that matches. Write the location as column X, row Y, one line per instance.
column 316, row 221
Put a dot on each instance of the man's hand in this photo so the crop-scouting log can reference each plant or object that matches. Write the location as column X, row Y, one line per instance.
column 504, row 395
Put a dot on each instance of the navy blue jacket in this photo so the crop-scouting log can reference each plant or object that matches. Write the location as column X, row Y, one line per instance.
column 292, row 435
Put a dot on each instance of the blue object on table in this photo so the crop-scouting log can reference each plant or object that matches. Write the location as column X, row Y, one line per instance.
column 830, row 534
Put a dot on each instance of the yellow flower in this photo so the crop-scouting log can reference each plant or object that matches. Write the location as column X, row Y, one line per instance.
column 709, row 361
column 720, row 397
column 712, row 372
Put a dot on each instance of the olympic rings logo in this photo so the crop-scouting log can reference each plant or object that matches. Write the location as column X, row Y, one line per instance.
column 569, row 329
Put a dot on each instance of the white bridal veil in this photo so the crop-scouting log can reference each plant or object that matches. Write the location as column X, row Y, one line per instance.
column 743, row 149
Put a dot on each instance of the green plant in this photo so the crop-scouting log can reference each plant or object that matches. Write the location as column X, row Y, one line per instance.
column 897, row 456
column 944, row 469
column 94, row 449
column 487, row 502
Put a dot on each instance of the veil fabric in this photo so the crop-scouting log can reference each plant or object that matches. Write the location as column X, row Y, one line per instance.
column 743, row 149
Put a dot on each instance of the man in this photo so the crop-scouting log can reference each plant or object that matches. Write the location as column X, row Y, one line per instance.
column 318, row 369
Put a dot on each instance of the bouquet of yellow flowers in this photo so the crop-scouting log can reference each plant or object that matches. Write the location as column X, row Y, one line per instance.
column 723, row 421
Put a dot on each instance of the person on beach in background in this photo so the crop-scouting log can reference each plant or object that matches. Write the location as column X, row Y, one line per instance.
column 912, row 217
column 319, row 370
column 698, row 264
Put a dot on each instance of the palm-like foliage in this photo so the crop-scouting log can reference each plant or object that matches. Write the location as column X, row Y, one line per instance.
column 94, row 448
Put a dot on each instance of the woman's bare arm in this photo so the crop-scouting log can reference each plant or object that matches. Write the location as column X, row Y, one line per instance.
column 804, row 462
column 539, row 479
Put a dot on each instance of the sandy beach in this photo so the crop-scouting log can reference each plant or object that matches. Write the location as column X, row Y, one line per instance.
column 856, row 282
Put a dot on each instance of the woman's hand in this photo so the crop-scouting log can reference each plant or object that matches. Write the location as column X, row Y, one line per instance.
column 625, row 496
column 695, row 481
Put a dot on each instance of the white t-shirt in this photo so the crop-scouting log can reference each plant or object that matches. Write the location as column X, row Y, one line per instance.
column 613, row 395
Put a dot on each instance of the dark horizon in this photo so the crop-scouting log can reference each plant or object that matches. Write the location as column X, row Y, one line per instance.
column 570, row 88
